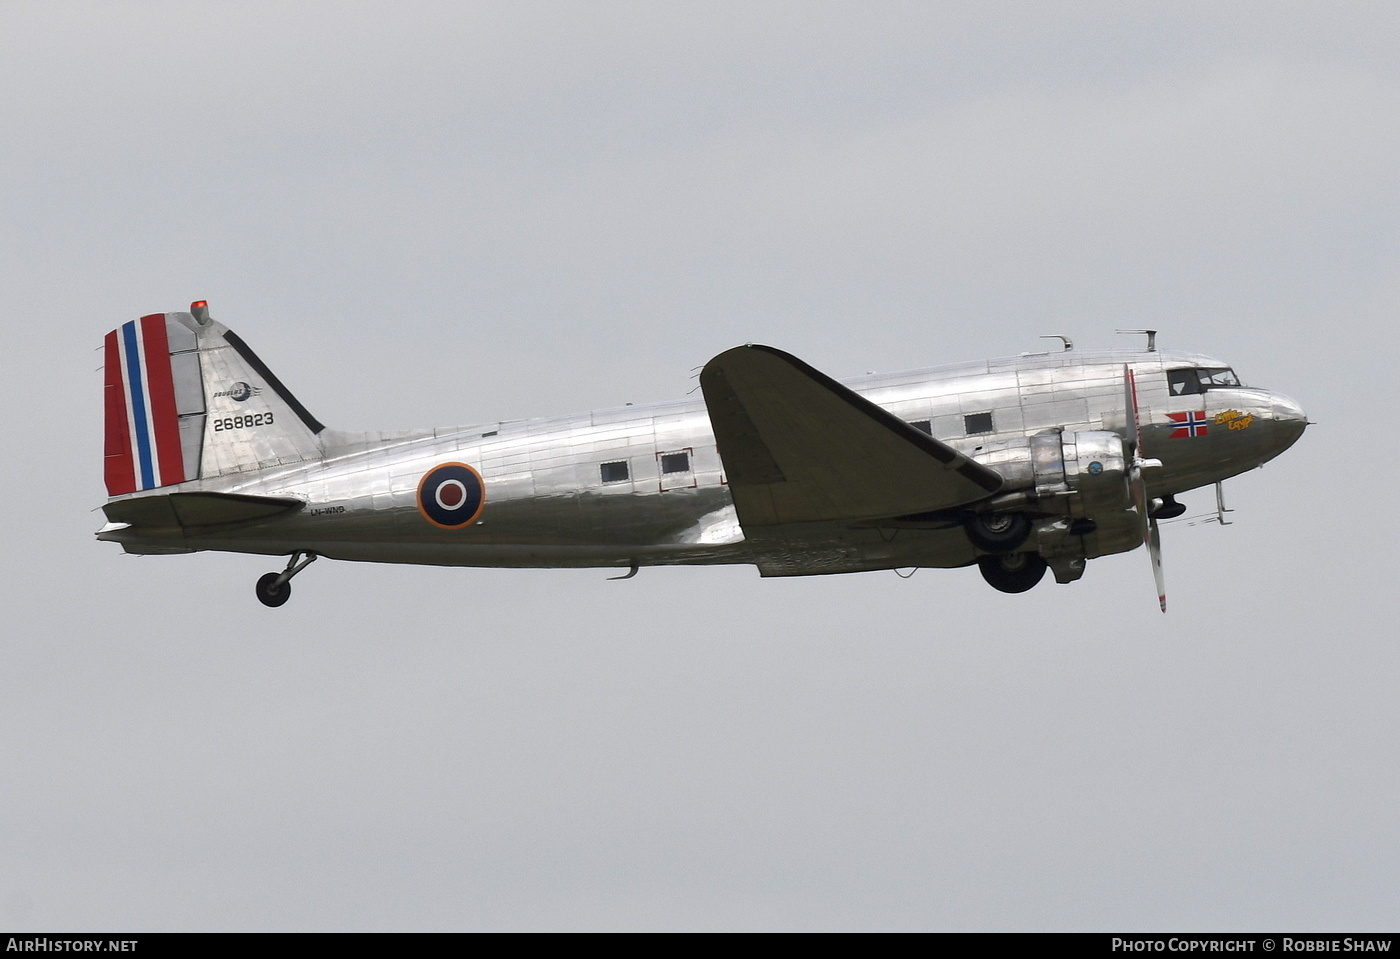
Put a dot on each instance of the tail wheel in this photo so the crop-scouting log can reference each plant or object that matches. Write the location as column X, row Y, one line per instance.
column 1012, row 572
column 998, row 532
column 269, row 593
column 274, row 589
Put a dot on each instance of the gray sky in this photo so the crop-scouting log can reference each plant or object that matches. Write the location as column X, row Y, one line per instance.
column 429, row 214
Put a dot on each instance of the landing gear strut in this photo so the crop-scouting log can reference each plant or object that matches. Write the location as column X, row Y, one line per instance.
column 274, row 589
column 1012, row 572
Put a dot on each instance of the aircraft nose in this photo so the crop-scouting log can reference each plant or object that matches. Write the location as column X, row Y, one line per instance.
column 1289, row 419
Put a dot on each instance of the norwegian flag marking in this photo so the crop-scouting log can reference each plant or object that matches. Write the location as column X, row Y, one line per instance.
column 1192, row 424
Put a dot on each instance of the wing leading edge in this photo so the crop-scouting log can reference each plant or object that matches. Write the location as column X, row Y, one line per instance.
column 799, row 447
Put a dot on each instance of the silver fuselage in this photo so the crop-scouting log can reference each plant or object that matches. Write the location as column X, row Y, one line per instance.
column 547, row 505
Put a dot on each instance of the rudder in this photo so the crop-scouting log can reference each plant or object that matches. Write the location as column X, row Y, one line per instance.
column 154, row 405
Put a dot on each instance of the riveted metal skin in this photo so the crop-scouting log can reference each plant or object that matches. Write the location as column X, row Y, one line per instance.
column 1056, row 451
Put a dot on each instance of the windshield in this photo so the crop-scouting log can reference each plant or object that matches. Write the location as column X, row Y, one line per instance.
column 1221, row 376
column 1199, row 379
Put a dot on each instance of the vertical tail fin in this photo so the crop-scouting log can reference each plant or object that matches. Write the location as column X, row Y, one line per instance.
column 186, row 399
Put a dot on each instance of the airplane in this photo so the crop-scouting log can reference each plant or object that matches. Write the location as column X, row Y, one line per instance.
column 1018, row 465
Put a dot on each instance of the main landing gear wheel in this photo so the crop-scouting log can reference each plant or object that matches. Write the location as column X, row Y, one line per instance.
column 274, row 589
column 998, row 532
column 1167, row 508
column 1012, row 572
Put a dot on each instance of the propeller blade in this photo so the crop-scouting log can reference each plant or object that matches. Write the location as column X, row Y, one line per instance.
column 1138, row 486
column 1137, row 483
column 1154, row 549
column 1130, row 403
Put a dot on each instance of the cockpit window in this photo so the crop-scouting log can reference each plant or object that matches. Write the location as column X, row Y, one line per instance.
column 1183, row 382
column 1220, row 376
column 1200, row 379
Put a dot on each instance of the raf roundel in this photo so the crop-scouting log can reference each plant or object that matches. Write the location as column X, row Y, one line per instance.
column 451, row 495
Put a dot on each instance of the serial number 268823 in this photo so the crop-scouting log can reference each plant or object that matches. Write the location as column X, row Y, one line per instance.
column 243, row 422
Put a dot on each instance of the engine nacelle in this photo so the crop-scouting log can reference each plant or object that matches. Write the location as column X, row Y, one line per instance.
column 1095, row 468
column 1076, row 474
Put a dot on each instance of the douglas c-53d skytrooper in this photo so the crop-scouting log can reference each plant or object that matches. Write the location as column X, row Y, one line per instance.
column 1036, row 462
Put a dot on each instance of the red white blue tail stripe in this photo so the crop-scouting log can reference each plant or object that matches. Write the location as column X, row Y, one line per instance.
column 142, row 426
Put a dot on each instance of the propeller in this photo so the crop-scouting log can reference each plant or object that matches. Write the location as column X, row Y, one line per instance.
column 1137, row 483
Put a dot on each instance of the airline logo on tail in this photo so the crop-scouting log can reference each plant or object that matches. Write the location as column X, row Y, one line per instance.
column 240, row 392
column 143, row 436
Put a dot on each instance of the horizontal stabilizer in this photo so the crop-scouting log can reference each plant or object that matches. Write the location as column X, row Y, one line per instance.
column 197, row 509
column 799, row 447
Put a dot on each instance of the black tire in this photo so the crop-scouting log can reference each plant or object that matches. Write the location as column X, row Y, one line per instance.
column 270, row 595
column 1013, row 572
column 998, row 532
column 1169, row 509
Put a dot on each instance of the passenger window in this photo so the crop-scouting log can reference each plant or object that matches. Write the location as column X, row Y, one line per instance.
column 675, row 462
column 615, row 472
column 923, row 426
column 976, row 423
